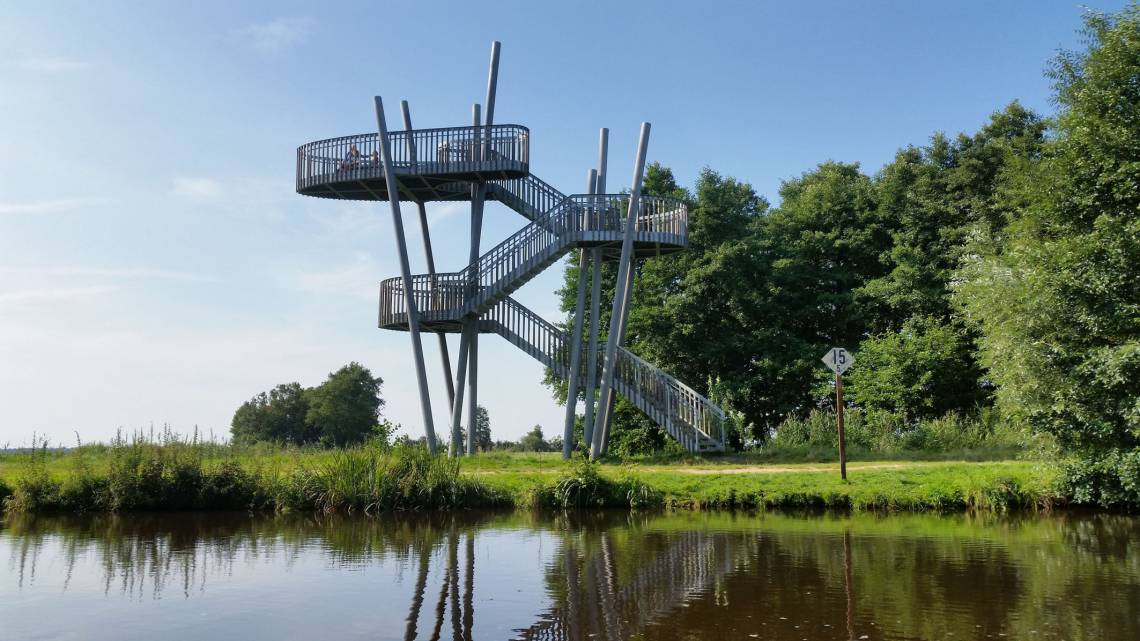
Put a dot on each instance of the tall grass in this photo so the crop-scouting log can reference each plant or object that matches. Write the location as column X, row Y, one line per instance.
column 165, row 472
column 406, row 477
column 883, row 433
column 583, row 486
column 148, row 473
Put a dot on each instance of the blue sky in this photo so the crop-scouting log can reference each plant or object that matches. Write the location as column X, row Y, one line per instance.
column 156, row 265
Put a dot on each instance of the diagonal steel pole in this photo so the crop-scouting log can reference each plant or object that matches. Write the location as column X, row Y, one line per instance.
column 406, row 273
column 572, row 375
column 595, row 299
column 468, row 348
column 477, row 202
column 606, row 405
column 619, row 306
column 444, row 356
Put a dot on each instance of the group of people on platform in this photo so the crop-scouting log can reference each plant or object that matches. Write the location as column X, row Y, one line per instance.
column 352, row 159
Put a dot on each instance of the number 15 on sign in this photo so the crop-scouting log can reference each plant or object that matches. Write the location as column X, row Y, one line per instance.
column 838, row 360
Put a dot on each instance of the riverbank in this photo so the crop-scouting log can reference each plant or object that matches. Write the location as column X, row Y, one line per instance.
column 148, row 477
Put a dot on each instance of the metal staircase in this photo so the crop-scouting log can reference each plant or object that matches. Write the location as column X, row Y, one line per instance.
column 684, row 414
column 442, row 164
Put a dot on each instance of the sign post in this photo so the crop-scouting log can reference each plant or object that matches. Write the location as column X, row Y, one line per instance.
column 838, row 360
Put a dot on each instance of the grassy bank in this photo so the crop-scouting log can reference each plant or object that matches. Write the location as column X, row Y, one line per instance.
column 142, row 476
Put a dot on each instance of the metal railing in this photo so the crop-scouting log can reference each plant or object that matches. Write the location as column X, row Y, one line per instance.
column 560, row 223
column 513, row 262
column 529, row 195
column 686, row 415
column 450, row 150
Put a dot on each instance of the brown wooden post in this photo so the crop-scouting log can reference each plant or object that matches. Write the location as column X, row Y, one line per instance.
column 839, row 420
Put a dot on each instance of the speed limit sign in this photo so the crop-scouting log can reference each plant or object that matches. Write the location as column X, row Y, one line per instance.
column 838, row 360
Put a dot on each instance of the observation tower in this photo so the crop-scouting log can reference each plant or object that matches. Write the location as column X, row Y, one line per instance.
column 488, row 161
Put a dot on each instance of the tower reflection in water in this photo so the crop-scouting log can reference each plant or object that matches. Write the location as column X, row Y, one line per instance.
column 575, row 576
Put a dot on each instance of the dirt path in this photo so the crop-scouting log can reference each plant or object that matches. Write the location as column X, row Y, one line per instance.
column 776, row 469
column 745, row 469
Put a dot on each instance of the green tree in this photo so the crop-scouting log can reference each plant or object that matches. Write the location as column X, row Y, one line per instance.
column 345, row 409
column 278, row 417
column 482, row 429
column 1056, row 297
column 915, row 371
column 533, row 441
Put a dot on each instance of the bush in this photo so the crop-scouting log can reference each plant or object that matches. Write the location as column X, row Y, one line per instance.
column 406, row 477
column 887, row 432
column 1111, row 480
column 585, row 487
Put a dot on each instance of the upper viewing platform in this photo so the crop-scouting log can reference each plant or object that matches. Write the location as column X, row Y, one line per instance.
column 425, row 161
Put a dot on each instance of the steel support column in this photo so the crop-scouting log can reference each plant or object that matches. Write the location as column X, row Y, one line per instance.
column 572, row 375
column 468, row 342
column 624, row 266
column 477, row 222
column 406, row 273
column 606, row 405
column 595, row 300
column 460, row 378
column 444, row 356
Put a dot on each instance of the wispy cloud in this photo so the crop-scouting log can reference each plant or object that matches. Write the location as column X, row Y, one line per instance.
column 357, row 279
column 276, row 35
column 125, row 273
column 48, row 206
column 50, row 64
column 440, row 213
column 197, row 187
column 54, row 294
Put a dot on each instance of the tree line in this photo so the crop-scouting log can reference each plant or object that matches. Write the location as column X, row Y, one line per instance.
column 343, row 410
column 992, row 271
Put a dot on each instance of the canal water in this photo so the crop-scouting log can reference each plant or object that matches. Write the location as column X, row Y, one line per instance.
column 579, row 576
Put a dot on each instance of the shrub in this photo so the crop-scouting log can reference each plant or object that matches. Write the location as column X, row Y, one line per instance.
column 1111, row 480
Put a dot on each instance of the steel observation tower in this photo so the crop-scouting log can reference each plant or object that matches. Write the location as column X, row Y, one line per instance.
column 488, row 161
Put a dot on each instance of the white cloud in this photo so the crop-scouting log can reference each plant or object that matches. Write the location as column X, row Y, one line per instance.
column 49, row 206
column 197, row 187
column 52, row 65
column 441, row 212
column 110, row 272
column 276, row 35
column 358, row 280
column 54, row 294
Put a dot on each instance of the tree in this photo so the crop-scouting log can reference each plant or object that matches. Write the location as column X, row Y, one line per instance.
column 345, row 409
column 1056, row 297
column 533, row 441
column 279, row 417
column 915, row 371
column 482, row 429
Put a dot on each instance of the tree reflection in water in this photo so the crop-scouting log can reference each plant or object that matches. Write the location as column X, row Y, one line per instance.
column 617, row 576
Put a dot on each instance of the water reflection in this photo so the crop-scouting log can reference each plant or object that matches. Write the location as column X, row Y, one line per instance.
column 578, row 576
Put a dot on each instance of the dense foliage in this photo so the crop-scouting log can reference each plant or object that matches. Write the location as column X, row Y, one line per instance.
column 994, row 273
column 343, row 410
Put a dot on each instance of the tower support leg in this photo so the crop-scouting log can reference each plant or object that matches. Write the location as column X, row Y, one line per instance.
column 620, row 310
column 595, row 298
column 606, row 405
column 573, row 375
column 406, row 273
column 592, row 346
column 426, row 234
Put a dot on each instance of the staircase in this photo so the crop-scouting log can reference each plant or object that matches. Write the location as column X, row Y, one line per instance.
column 685, row 415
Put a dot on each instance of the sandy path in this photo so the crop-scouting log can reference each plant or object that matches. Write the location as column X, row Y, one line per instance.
column 749, row 469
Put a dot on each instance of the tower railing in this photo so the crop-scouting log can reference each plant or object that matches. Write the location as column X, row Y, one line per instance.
column 448, row 150
column 507, row 266
column 685, row 414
